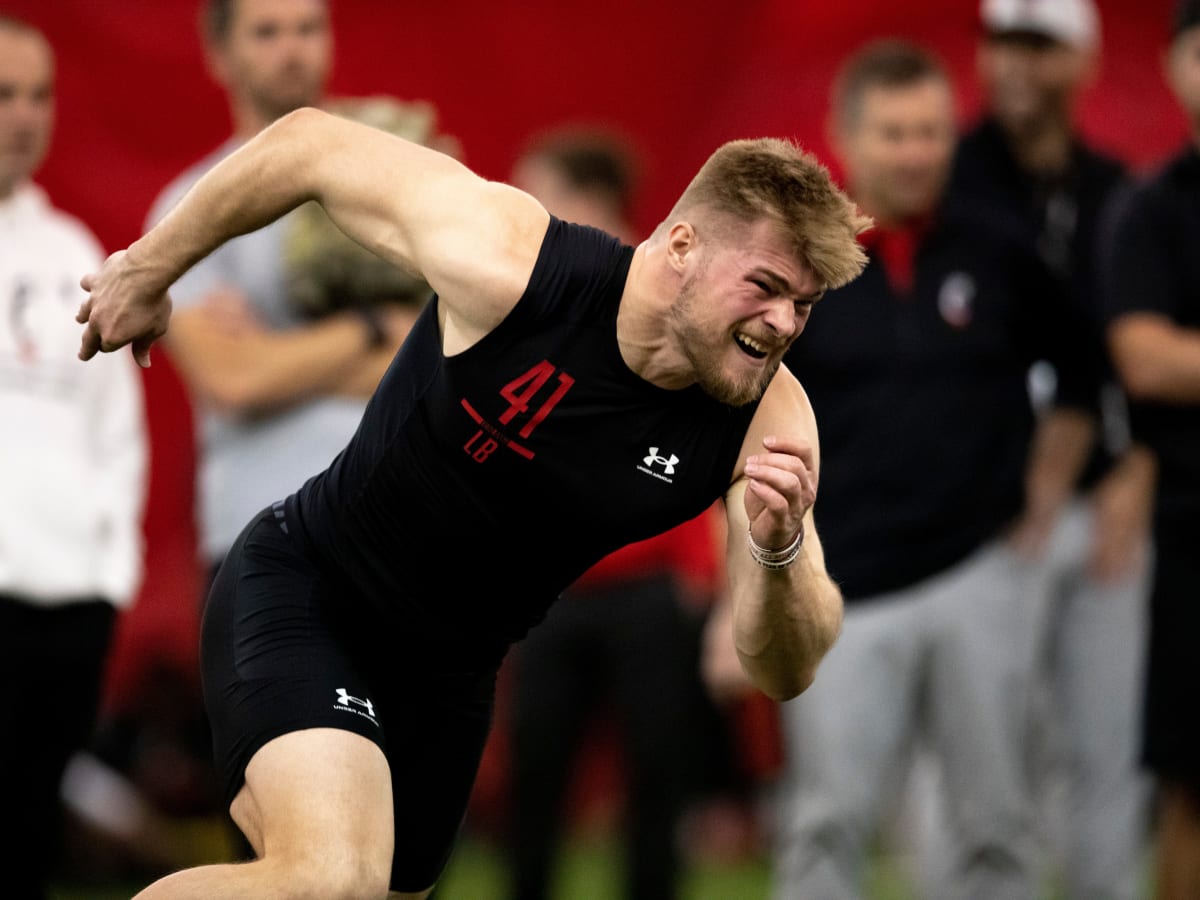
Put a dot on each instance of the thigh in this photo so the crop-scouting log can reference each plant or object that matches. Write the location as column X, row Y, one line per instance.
column 437, row 725
column 272, row 662
column 318, row 792
column 983, row 667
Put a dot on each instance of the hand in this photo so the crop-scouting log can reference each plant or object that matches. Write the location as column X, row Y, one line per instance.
column 1030, row 537
column 782, row 488
column 1122, row 506
column 121, row 309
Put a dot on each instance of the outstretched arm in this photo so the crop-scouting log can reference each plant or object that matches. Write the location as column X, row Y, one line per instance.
column 785, row 617
column 474, row 241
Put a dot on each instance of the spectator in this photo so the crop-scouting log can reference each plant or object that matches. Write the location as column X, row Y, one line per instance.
column 1025, row 160
column 918, row 372
column 279, row 386
column 72, row 486
column 280, row 337
column 1154, row 302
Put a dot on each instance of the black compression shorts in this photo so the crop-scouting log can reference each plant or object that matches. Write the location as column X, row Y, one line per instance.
column 280, row 653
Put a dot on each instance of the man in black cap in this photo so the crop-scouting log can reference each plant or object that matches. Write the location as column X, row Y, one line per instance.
column 1025, row 162
column 1154, row 332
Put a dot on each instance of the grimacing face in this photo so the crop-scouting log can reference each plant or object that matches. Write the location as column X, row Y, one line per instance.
column 742, row 305
column 26, row 104
column 897, row 149
column 1183, row 73
column 277, row 54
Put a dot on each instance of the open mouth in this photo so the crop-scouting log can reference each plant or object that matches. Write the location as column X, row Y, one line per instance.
column 750, row 347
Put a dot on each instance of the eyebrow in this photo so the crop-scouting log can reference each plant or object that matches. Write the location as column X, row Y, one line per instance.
column 782, row 286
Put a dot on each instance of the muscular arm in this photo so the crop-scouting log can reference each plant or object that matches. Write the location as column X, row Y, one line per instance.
column 474, row 241
column 1157, row 359
column 785, row 620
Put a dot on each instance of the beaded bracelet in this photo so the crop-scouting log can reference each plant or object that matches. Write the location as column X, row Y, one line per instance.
column 775, row 559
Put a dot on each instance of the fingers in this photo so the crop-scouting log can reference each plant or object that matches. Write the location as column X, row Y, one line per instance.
column 90, row 345
column 141, row 351
column 85, row 311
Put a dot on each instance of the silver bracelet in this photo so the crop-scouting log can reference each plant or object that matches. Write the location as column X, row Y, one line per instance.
column 775, row 559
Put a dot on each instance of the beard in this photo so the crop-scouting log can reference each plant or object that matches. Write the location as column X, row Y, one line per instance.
column 705, row 352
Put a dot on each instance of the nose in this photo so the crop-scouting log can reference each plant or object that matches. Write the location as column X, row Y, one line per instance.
column 781, row 317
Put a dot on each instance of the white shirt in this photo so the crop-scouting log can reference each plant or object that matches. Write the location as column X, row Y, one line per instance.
column 73, row 443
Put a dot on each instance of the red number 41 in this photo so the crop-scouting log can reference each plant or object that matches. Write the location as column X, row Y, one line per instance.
column 521, row 390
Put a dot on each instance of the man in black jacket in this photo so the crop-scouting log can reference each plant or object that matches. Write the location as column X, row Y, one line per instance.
column 918, row 371
column 1025, row 161
column 1153, row 285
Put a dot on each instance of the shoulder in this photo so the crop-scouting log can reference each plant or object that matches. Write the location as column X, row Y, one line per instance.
column 578, row 264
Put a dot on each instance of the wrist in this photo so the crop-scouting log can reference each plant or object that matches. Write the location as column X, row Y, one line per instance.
column 140, row 263
column 774, row 560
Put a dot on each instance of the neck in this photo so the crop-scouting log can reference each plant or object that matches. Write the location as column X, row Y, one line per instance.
column 248, row 120
column 642, row 322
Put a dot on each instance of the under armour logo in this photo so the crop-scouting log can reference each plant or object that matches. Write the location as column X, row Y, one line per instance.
column 667, row 462
column 346, row 700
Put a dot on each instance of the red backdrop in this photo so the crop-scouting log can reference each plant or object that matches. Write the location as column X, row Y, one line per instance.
column 136, row 106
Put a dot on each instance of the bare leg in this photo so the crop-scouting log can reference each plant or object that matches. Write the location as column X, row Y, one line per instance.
column 317, row 809
column 1178, row 866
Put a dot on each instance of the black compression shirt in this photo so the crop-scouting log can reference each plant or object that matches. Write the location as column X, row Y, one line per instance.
column 478, row 486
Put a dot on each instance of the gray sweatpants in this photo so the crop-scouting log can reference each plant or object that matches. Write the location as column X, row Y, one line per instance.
column 948, row 663
column 1093, row 795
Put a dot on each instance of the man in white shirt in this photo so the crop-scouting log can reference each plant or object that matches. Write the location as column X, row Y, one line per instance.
column 71, row 486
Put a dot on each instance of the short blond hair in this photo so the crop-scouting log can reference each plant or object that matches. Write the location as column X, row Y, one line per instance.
column 772, row 178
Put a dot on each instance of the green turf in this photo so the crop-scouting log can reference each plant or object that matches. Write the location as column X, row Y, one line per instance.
column 590, row 869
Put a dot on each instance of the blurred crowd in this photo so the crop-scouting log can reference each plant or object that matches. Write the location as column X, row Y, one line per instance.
column 1009, row 408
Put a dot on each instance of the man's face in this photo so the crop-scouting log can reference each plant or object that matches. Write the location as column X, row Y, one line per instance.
column 742, row 304
column 1183, row 72
column 1029, row 79
column 26, row 105
column 897, row 147
column 276, row 54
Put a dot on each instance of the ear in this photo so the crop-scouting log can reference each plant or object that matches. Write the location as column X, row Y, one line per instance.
column 681, row 240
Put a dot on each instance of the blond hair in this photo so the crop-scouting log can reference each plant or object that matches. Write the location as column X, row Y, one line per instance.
column 772, row 178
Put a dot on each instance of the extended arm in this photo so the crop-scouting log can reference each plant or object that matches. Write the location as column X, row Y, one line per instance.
column 473, row 241
column 784, row 619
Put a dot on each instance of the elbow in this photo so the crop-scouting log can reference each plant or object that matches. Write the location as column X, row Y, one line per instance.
column 791, row 686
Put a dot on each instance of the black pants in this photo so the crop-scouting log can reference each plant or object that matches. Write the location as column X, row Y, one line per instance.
column 634, row 648
column 51, row 666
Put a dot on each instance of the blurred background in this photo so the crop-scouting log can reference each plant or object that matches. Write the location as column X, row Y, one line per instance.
column 136, row 106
